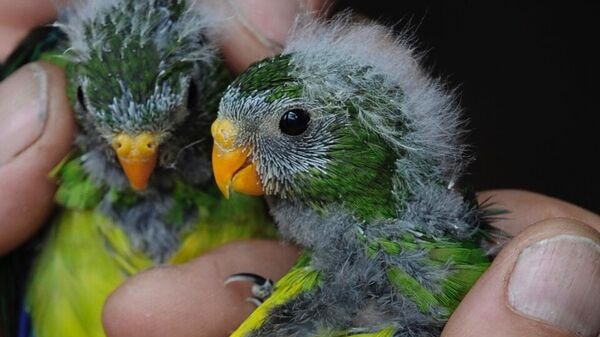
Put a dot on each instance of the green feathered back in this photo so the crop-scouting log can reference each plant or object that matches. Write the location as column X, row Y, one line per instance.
column 464, row 261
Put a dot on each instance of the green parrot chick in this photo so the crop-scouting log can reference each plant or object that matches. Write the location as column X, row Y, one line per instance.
column 358, row 152
column 136, row 191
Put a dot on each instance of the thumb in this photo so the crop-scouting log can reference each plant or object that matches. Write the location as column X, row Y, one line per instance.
column 545, row 282
column 36, row 132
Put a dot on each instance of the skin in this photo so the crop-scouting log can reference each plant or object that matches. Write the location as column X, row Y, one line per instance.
column 190, row 300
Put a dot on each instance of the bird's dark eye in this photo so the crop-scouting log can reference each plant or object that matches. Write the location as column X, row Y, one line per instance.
column 81, row 98
column 294, row 122
column 192, row 96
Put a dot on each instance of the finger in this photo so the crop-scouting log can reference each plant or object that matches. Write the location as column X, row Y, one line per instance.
column 526, row 208
column 546, row 282
column 191, row 299
column 260, row 27
column 17, row 18
column 36, row 132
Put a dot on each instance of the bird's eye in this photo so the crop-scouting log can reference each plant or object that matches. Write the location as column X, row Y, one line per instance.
column 294, row 122
column 192, row 96
column 81, row 98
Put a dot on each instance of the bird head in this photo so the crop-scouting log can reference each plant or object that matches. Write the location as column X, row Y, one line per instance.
column 134, row 78
column 344, row 117
column 274, row 137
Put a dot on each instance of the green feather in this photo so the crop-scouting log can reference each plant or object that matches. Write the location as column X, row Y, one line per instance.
column 387, row 332
column 76, row 188
column 464, row 260
column 411, row 288
column 272, row 73
column 458, row 283
column 372, row 164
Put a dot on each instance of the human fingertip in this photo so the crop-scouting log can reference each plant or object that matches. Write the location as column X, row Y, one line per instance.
column 545, row 282
column 37, row 132
column 557, row 280
column 23, row 110
column 137, row 307
column 191, row 299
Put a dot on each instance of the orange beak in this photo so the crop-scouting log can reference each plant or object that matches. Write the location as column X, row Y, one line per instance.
column 138, row 156
column 231, row 164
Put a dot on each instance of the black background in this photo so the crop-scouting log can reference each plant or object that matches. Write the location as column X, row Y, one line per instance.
column 527, row 78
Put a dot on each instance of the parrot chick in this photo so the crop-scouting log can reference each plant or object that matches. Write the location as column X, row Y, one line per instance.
column 358, row 151
column 144, row 79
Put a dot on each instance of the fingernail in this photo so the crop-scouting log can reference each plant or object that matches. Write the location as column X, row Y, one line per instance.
column 557, row 281
column 23, row 110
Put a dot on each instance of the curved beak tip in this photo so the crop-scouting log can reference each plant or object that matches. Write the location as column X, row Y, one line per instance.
column 138, row 172
column 231, row 167
column 224, row 166
column 138, row 156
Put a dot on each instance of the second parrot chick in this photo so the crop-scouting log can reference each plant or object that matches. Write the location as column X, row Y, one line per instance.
column 358, row 151
column 144, row 79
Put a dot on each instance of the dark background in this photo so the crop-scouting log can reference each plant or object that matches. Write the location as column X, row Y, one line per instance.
column 527, row 78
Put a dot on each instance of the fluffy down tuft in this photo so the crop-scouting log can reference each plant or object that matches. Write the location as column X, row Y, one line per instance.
column 325, row 52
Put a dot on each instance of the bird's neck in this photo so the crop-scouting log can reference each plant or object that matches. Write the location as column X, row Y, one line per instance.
column 432, row 209
column 320, row 233
column 153, row 220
